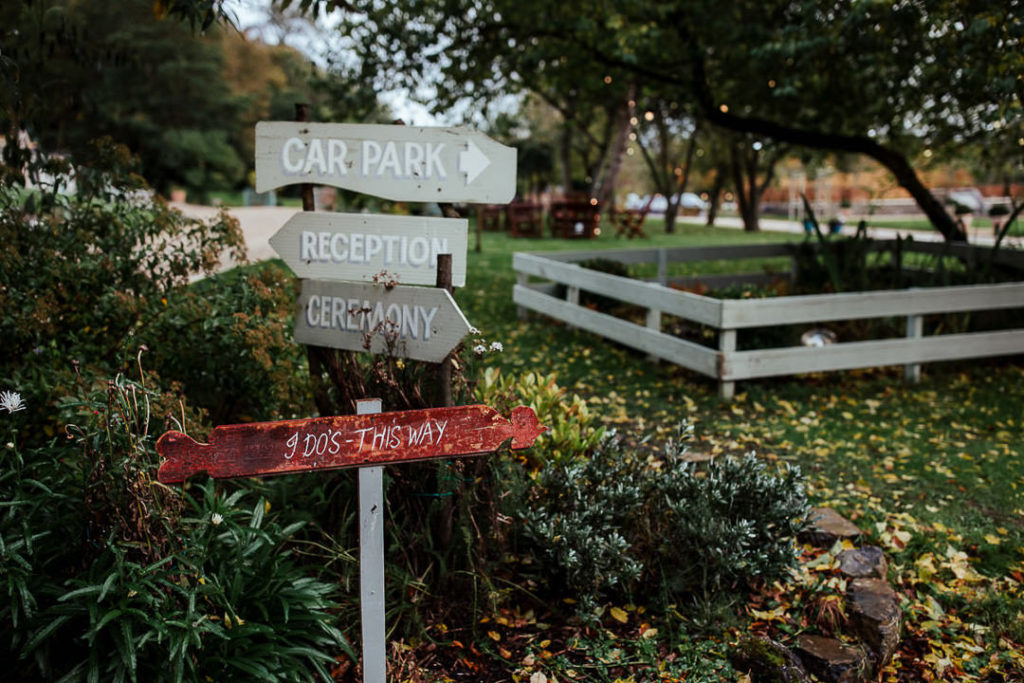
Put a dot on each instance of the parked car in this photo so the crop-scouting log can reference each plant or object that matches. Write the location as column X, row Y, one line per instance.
column 688, row 201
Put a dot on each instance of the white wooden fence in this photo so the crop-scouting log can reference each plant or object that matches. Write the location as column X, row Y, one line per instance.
column 540, row 274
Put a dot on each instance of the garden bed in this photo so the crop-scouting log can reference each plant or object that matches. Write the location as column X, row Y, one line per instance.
column 556, row 285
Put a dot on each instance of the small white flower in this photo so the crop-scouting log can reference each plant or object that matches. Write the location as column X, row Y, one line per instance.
column 479, row 349
column 496, row 346
column 473, row 330
column 11, row 401
column 216, row 519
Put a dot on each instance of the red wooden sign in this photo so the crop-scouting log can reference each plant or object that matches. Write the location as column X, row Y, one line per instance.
column 322, row 443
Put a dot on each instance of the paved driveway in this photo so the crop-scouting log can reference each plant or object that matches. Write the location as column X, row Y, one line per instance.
column 259, row 223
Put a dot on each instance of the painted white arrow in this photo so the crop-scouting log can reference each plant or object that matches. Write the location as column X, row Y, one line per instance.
column 472, row 161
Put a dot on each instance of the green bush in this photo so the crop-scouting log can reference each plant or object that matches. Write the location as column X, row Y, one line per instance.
column 83, row 276
column 611, row 522
column 579, row 517
column 227, row 339
column 111, row 576
column 724, row 525
column 572, row 430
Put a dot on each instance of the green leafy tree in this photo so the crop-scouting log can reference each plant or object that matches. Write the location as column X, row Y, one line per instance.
column 88, row 69
column 849, row 76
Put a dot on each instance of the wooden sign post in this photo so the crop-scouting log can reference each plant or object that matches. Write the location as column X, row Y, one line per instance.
column 371, row 562
column 345, row 307
column 367, row 440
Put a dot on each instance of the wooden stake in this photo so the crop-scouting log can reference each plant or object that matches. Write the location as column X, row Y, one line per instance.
column 444, row 371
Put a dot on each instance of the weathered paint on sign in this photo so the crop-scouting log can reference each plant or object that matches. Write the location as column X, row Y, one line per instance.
column 404, row 163
column 324, row 443
column 418, row 323
column 360, row 247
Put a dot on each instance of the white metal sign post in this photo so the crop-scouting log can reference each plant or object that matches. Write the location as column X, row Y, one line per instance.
column 404, row 163
column 358, row 247
column 371, row 562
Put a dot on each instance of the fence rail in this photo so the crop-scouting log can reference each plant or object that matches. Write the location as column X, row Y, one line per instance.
column 542, row 277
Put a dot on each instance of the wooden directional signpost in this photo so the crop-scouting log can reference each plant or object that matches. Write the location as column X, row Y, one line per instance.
column 358, row 247
column 325, row 443
column 404, row 163
column 344, row 305
column 418, row 323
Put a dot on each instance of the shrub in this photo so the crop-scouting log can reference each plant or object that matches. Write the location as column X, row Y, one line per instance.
column 601, row 523
column 725, row 525
column 572, row 430
column 227, row 339
column 579, row 519
column 83, row 276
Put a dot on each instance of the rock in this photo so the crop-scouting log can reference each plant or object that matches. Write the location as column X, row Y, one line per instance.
column 827, row 527
column 863, row 563
column 875, row 618
column 767, row 661
column 831, row 660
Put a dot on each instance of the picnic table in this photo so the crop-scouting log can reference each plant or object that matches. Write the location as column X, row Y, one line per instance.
column 575, row 218
column 524, row 219
column 489, row 216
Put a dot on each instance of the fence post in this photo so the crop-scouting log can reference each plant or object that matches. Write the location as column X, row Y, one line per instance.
column 653, row 323
column 521, row 279
column 915, row 330
column 726, row 344
column 572, row 296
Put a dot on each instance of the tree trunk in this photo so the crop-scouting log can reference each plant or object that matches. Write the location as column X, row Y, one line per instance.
column 715, row 200
column 671, row 211
column 565, row 155
column 608, row 173
column 744, row 176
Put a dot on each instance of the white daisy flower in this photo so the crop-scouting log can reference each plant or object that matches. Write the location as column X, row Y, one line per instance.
column 496, row 346
column 11, row 401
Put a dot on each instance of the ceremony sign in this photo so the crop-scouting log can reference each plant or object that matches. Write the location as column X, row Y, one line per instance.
column 418, row 323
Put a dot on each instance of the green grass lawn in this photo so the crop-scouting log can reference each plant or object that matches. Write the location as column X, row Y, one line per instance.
column 933, row 473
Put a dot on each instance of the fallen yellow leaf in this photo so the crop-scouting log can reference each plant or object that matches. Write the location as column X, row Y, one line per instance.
column 619, row 615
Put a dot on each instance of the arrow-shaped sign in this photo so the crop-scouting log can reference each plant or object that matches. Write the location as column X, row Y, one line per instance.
column 355, row 246
column 472, row 162
column 419, row 323
column 404, row 163
column 323, row 443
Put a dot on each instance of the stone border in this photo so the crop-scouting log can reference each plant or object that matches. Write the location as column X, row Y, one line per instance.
column 873, row 618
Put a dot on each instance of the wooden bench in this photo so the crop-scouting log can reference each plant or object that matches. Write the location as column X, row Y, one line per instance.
column 630, row 222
